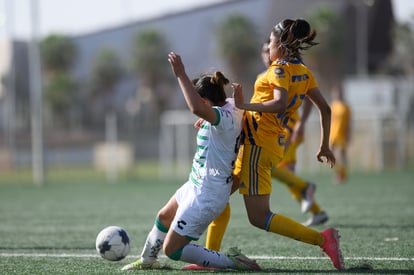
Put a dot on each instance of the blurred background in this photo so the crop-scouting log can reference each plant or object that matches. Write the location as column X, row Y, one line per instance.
column 87, row 83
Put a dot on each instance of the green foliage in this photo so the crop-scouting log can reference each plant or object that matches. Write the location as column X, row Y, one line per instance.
column 58, row 52
column 403, row 60
column 327, row 57
column 107, row 71
column 238, row 43
column 59, row 92
column 330, row 31
column 149, row 56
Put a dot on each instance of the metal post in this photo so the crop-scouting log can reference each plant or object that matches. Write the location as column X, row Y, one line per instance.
column 11, row 86
column 36, row 98
column 111, row 147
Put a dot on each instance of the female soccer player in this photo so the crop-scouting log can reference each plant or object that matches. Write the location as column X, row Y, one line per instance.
column 277, row 95
column 191, row 209
column 301, row 190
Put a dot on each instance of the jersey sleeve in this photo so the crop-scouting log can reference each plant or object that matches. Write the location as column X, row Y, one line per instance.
column 218, row 113
column 224, row 119
column 312, row 81
column 278, row 77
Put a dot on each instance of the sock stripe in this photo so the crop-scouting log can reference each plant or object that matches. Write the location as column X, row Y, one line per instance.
column 176, row 256
column 160, row 226
column 268, row 221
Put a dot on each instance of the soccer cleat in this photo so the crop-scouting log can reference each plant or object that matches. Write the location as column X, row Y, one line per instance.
column 137, row 265
column 307, row 197
column 317, row 219
column 198, row 267
column 331, row 247
column 241, row 261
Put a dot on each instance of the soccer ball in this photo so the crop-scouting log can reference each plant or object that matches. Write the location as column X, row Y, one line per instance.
column 112, row 243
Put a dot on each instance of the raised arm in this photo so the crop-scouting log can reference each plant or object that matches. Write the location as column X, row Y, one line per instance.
column 195, row 102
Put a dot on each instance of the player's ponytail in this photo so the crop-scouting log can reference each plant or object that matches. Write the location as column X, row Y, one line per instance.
column 303, row 33
column 294, row 36
column 211, row 86
column 219, row 79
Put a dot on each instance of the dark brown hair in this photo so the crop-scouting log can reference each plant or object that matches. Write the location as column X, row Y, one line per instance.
column 211, row 86
column 294, row 36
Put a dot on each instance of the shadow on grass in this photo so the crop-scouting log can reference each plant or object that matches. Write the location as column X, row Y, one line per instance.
column 364, row 268
column 352, row 270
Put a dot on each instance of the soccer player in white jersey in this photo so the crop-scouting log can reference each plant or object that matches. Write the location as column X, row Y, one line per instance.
column 203, row 197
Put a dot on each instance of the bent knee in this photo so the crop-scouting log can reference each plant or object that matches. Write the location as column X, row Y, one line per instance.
column 258, row 221
column 165, row 218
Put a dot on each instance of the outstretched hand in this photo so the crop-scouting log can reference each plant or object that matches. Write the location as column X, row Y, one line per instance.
column 176, row 64
column 238, row 95
column 325, row 154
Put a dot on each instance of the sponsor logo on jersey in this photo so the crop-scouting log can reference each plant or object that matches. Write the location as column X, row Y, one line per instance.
column 279, row 72
column 299, row 78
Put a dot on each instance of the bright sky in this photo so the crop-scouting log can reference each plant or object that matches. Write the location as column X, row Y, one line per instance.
column 84, row 16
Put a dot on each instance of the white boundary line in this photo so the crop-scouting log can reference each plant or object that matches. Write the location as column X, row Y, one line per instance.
column 263, row 257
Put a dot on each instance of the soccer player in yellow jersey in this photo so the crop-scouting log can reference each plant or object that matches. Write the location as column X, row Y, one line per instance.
column 340, row 132
column 278, row 93
column 301, row 190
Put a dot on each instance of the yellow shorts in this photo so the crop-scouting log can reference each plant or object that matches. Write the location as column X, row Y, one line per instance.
column 290, row 153
column 253, row 167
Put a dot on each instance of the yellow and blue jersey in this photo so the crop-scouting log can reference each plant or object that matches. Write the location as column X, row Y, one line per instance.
column 267, row 129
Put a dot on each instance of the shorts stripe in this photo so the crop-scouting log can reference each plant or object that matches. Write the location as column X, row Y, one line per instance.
column 249, row 132
column 254, row 170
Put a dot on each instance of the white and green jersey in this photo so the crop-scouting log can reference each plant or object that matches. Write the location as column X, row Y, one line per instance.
column 217, row 147
column 203, row 197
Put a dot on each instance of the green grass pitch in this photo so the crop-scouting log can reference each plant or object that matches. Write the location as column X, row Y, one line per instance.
column 52, row 229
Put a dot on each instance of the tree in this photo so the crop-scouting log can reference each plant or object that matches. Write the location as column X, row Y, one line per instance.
column 149, row 61
column 60, row 96
column 106, row 73
column 327, row 57
column 238, row 44
column 402, row 60
column 58, row 54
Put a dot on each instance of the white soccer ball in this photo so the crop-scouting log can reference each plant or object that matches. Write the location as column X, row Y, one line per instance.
column 112, row 243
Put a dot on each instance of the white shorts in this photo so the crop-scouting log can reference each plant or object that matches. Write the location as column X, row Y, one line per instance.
column 197, row 207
